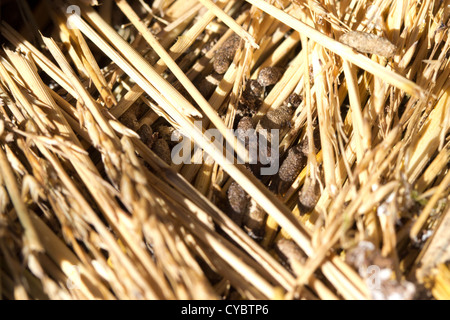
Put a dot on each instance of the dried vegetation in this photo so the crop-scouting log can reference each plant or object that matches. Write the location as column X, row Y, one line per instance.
column 93, row 207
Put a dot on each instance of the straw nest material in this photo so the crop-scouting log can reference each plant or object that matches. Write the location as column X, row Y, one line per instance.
column 95, row 98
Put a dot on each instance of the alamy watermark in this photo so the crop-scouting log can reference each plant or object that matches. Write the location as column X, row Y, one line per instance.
column 261, row 147
column 373, row 277
column 72, row 10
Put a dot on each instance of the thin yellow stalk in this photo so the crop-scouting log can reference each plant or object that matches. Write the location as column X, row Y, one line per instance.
column 230, row 22
column 342, row 50
column 435, row 250
column 65, row 36
column 77, row 85
column 253, row 186
column 135, row 58
column 96, row 191
column 67, row 261
column 94, row 71
column 360, row 127
column 41, row 60
column 325, row 124
column 427, row 141
column 17, row 93
column 433, row 170
column 181, row 45
column 22, row 211
column 188, row 15
column 181, row 76
column 34, row 82
column 185, row 41
column 312, row 163
column 441, row 192
column 250, row 183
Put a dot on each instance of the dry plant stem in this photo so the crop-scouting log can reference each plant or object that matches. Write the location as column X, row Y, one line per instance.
column 127, row 101
column 34, row 82
column 138, row 77
column 433, row 170
column 150, row 288
column 312, row 163
column 332, row 234
column 278, row 53
column 186, row 40
column 405, row 140
column 65, row 36
column 230, row 22
column 427, row 140
column 42, row 61
column 424, row 215
column 325, row 126
column 134, row 58
column 266, row 200
column 350, row 158
column 362, row 135
column 228, row 226
column 227, row 252
column 380, row 149
column 17, row 93
column 22, row 212
column 96, row 192
column 174, row 9
column 436, row 249
column 188, row 218
column 90, row 104
column 189, row 15
column 342, row 50
column 440, row 289
column 216, row 100
column 82, row 56
column 243, row 240
column 95, row 72
column 275, row 98
column 141, row 81
column 250, row 183
column 65, row 259
column 93, row 218
column 360, row 127
column 20, row 293
column 193, row 91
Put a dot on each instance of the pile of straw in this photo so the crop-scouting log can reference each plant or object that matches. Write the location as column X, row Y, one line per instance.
column 92, row 205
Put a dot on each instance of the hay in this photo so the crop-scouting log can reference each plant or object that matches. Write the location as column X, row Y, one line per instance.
column 94, row 206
